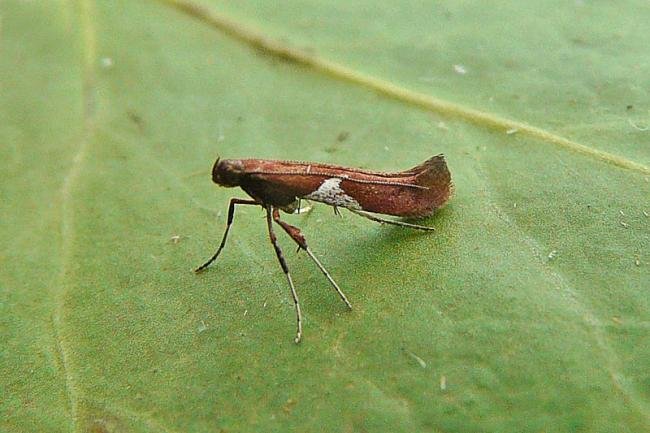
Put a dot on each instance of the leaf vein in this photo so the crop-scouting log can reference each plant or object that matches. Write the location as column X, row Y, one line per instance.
column 430, row 103
column 67, row 211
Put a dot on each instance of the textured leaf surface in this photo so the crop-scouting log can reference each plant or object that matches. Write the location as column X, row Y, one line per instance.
column 527, row 311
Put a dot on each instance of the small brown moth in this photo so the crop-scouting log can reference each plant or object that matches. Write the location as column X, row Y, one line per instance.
column 280, row 185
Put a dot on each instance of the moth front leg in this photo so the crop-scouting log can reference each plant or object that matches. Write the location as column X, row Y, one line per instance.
column 231, row 217
column 297, row 236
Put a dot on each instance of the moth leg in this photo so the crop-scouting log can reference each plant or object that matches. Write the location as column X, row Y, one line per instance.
column 297, row 236
column 285, row 268
column 231, row 216
column 301, row 210
column 386, row 221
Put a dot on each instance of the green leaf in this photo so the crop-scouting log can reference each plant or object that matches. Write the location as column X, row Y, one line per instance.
column 526, row 311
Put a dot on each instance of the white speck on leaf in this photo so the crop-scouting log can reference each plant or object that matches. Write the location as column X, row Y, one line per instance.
column 637, row 127
column 202, row 327
column 417, row 358
column 460, row 69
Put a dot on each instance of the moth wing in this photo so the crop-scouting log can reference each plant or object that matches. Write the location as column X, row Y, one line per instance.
column 331, row 192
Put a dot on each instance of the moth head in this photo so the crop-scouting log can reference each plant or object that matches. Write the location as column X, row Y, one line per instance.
column 227, row 172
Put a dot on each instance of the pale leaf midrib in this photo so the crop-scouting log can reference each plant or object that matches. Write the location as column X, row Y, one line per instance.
column 446, row 108
column 88, row 35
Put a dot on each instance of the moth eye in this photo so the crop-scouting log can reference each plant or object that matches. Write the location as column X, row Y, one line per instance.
column 227, row 172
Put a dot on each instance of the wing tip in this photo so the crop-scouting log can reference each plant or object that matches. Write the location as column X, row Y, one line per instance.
column 435, row 175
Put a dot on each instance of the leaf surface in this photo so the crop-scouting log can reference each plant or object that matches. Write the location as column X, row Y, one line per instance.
column 526, row 311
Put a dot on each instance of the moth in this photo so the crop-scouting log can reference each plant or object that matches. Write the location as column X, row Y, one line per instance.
column 280, row 185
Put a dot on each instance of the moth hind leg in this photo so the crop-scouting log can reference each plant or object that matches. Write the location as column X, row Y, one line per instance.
column 391, row 222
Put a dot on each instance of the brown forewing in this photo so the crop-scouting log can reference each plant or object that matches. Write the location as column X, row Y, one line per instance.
column 411, row 193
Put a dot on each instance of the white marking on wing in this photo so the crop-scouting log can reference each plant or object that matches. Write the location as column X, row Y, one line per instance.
column 330, row 192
